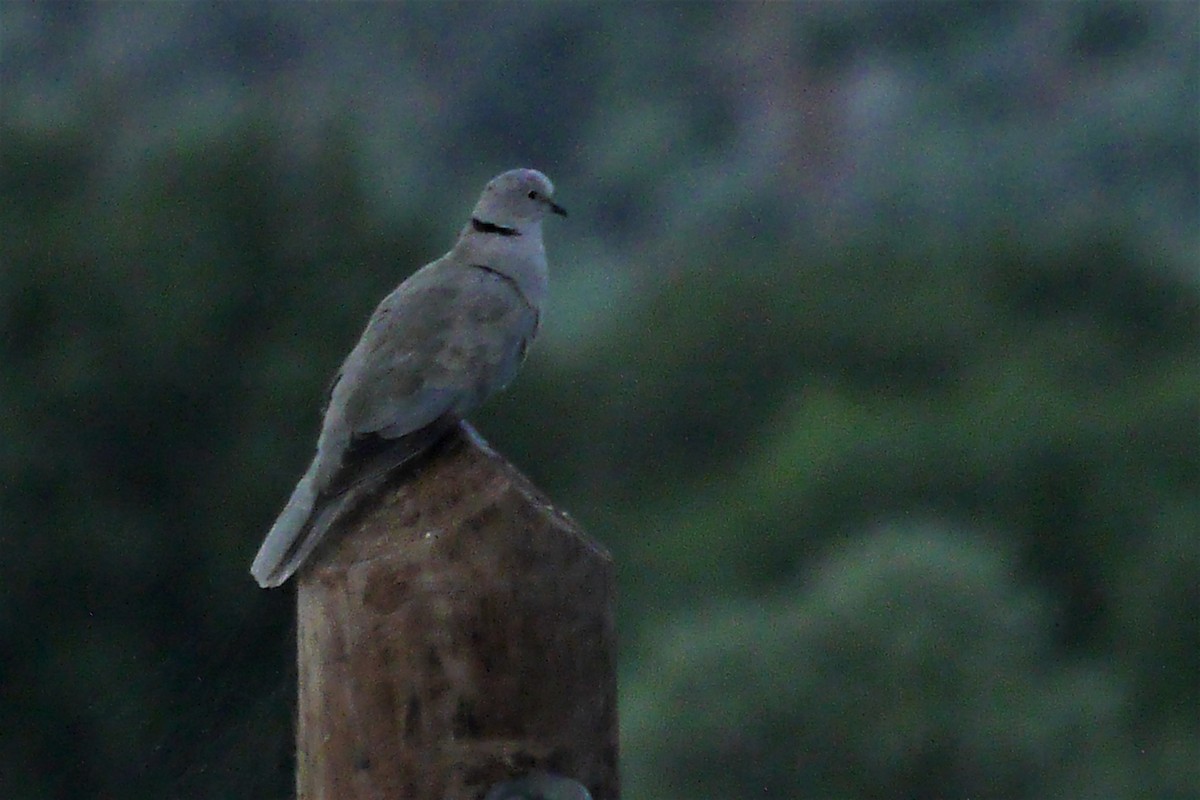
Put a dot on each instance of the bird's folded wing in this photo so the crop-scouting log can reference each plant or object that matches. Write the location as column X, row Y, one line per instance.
column 433, row 347
column 433, row 351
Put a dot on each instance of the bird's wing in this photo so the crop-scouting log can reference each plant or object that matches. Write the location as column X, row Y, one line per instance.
column 440, row 344
column 433, row 351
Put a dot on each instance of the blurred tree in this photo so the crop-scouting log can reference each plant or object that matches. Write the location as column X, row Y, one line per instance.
column 913, row 664
column 159, row 396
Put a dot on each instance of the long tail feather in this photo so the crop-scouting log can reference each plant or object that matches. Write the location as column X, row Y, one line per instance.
column 274, row 563
column 309, row 515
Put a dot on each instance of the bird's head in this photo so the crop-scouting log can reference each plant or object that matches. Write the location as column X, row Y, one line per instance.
column 515, row 198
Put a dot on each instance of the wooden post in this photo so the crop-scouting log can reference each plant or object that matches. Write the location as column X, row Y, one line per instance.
column 457, row 632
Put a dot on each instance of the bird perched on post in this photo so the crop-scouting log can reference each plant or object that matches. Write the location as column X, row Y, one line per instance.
column 441, row 343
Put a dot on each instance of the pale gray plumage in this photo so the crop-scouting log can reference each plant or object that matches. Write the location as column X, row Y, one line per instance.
column 445, row 339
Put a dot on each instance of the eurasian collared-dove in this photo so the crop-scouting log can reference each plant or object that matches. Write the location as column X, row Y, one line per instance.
column 445, row 339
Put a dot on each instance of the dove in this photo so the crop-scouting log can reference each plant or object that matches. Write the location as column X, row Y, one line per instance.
column 451, row 335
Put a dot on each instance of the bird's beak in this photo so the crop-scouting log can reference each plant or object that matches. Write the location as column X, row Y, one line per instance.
column 557, row 209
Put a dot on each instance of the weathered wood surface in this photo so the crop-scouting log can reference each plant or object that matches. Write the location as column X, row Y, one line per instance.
column 457, row 631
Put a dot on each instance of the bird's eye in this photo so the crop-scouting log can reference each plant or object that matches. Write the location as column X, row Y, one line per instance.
column 533, row 195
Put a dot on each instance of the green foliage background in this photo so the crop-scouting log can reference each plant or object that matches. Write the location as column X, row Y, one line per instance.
column 874, row 357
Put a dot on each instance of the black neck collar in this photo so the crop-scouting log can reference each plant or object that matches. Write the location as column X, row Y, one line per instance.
column 490, row 227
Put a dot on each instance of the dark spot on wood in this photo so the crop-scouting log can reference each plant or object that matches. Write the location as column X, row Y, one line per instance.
column 523, row 762
column 465, row 722
column 383, row 594
column 412, row 715
column 409, row 516
column 478, row 522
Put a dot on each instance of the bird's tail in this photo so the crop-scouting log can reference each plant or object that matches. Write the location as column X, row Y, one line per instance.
column 309, row 513
column 290, row 539
column 328, row 511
